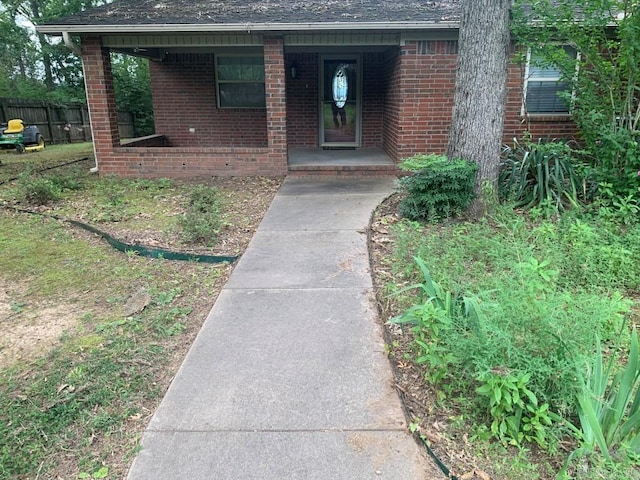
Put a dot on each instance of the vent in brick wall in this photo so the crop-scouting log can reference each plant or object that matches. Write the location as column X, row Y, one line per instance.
column 437, row 47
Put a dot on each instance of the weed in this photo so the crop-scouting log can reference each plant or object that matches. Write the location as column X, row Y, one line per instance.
column 102, row 472
column 35, row 189
column 17, row 307
column 524, row 320
column 615, row 208
column 202, row 221
column 514, row 409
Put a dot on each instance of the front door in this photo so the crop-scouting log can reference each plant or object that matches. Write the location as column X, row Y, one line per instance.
column 340, row 96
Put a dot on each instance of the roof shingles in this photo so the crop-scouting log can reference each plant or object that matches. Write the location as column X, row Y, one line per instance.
column 219, row 12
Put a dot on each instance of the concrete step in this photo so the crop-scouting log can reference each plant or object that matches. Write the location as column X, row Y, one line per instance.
column 344, row 170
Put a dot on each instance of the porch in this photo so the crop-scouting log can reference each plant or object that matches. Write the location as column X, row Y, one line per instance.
column 258, row 105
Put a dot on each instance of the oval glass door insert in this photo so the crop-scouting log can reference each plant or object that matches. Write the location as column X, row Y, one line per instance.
column 340, row 86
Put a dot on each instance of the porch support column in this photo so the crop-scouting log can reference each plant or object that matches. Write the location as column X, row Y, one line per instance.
column 276, row 101
column 101, row 101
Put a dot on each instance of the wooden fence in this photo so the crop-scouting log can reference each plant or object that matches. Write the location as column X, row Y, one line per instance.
column 59, row 123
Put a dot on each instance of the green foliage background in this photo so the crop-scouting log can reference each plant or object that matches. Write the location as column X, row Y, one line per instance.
column 36, row 66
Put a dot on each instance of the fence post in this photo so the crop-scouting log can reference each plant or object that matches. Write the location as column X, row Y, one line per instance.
column 5, row 114
column 50, row 123
column 84, row 114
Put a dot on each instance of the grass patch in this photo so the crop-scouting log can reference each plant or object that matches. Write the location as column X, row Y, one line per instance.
column 75, row 405
column 104, row 372
column 53, row 155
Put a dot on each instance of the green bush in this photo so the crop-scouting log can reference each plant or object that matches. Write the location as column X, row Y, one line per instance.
column 514, row 409
column 540, row 175
column 41, row 188
column 202, row 221
column 604, row 79
column 439, row 188
column 36, row 189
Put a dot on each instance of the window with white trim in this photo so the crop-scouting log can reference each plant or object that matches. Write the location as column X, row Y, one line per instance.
column 543, row 84
column 240, row 81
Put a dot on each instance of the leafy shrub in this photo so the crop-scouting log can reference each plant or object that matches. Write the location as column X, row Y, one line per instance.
column 612, row 206
column 540, row 174
column 604, row 78
column 36, row 189
column 202, row 220
column 435, row 311
column 438, row 188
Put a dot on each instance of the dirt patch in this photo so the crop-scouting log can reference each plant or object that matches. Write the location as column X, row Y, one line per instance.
column 29, row 331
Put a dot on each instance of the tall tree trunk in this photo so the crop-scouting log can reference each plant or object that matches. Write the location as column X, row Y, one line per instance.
column 46, row 62
column 480, row 94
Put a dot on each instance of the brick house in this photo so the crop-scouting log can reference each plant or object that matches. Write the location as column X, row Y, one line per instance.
column 274, row 87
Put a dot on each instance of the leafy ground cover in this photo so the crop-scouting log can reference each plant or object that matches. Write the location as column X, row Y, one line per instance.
column 91, row 336
column 494, row 329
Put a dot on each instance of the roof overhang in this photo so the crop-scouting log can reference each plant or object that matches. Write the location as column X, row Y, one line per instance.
column 242, row 27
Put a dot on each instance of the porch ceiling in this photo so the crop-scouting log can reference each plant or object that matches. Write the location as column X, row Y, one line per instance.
column 195, row 41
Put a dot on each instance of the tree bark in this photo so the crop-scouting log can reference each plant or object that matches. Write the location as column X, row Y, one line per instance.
column 480, row 93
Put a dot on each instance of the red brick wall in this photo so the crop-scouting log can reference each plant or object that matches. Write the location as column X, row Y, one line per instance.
column 302, row 100
column 100, row 96
column 420, row 98
column 155, row 162
column 276, row 102
column 419, row 101
column 373, row 90
column 392, row 104
column 184, row 98
column 270, row 158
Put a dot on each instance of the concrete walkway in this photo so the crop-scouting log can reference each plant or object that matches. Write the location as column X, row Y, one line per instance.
column 287, row 378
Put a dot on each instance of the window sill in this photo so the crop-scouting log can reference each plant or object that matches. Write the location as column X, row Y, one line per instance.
column 546, row 117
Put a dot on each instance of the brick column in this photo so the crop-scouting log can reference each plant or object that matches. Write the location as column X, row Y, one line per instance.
column 274, row 70
column 100, row 99
column 426, row 77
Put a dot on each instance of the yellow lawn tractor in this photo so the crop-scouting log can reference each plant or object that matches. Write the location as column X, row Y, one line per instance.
column 23, row 138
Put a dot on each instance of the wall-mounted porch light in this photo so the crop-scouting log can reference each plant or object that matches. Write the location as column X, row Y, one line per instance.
column 293, row 70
